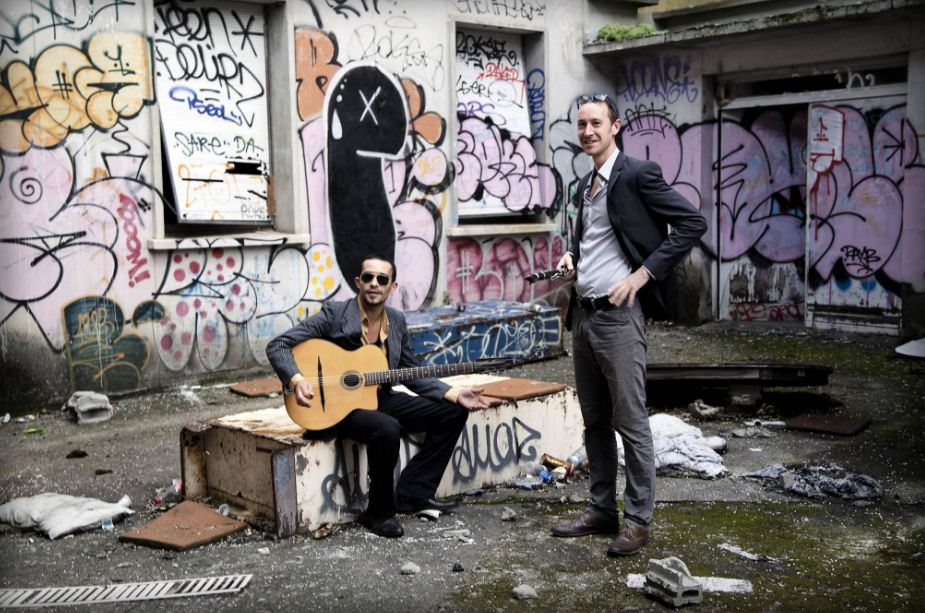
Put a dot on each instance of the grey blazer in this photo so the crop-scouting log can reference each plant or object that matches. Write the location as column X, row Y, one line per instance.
column 340, row 323
column 641, row 206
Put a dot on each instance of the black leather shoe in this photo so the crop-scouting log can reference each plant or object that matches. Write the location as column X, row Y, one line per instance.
column 588, row 523
column 383, row 526
column 406, row 505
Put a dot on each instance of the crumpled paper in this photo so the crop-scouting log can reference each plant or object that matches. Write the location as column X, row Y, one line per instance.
column 60, row 514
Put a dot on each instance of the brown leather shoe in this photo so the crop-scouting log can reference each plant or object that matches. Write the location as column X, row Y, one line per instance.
column 588, row 523
column 630, row 540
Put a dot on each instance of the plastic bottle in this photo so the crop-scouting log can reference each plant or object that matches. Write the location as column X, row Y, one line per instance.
column 223, row 510
column 578, row 460
column 531, row 468
column 106, row 525
column 170, row 494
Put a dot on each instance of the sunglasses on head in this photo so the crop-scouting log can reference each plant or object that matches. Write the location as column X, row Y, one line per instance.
column 596, row 98
column 367, row 277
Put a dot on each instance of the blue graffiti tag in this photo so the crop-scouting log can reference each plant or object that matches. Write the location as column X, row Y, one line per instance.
column 181, row 93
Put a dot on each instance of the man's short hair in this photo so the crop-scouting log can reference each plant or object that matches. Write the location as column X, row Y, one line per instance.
column 384, row 258
column 606, row 99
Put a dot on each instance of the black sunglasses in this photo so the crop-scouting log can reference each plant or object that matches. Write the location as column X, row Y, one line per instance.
column 367, row 277
column 596, row 98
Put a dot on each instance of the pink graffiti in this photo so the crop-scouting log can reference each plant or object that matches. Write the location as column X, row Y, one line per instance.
column 497, row 268
column 502, row 166
column 757, row 311
column 128, row 213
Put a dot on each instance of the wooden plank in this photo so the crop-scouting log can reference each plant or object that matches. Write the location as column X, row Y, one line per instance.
column 831, row 424
column 520, row 389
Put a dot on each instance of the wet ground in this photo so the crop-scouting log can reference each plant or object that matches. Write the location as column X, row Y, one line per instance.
column 828, row 555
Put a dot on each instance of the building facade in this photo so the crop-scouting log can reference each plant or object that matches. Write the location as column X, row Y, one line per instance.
column 182, row 181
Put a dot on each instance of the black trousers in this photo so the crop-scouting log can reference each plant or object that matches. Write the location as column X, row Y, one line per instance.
column 381, row 430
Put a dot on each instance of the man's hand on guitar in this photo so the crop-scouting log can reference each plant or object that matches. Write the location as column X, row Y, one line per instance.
column 303, row 393
column 471, row 398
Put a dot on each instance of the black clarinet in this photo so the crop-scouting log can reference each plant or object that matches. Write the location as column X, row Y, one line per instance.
column 546, row 274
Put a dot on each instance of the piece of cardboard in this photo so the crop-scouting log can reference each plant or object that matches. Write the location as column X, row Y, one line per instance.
column 521, row 389
column 830, row 424
column 188, row 524
column 258, row 387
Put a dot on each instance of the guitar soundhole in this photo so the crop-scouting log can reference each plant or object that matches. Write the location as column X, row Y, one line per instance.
column 352, row 380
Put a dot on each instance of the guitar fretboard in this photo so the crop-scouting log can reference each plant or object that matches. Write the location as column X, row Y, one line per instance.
column 398, row 375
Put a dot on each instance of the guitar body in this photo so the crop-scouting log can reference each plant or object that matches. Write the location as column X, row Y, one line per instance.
column 342, row 376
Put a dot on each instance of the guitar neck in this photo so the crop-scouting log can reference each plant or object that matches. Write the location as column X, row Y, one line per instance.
column 399, row 375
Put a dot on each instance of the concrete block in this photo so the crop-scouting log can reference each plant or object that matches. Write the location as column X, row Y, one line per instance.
column 670, row 581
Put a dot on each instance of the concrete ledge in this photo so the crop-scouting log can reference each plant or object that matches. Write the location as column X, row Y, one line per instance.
column 259, row 462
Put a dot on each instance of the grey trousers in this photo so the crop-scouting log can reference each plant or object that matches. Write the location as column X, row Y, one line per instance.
column 609, row 351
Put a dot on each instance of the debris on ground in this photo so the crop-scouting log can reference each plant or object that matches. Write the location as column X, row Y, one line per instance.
column 410, row 568
column 912, row 349
column 60, row 514
column 702, row 410
column 670, row 581
column 719, row 585
column 753, row 432
column 525, row 592
column 87, row 407
column 508, row 514
column 188, row 524
column 765, row 423
column 754, row 557
column 322, row 531
column 818, row 481
column 169, row 494
column 682, row 450
column 76, row 454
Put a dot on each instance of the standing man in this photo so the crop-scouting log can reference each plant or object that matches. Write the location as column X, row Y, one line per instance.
column 438, row 410
column 625, row 256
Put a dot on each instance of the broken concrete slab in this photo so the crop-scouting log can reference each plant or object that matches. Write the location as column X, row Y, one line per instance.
column 670, row 581
column 87, row 407
column 188, row 524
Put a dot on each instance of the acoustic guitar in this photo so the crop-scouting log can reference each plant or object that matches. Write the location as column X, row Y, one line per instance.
column 344, row 381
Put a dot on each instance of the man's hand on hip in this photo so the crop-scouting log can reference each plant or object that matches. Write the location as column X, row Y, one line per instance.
column 625, row 290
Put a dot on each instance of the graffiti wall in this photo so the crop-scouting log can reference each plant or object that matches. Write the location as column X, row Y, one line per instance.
column 842, row 167
column 97, row 294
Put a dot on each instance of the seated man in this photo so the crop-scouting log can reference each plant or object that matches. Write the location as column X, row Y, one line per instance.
column 438, row 410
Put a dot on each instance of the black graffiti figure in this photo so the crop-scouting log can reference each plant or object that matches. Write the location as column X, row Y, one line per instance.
column 367, row 118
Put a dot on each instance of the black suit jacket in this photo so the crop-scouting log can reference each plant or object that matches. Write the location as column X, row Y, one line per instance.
column 641, row 206
column 341, row 323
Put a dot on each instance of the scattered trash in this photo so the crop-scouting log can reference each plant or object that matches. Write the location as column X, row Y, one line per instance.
column 508, row 514
column 753, row 432
column 912, row 349
column 60, row 514
column 102, row 471
column 559, row 473
column 170, row 494
column 682, row 450
column 478, row 491
column 754, row 557
column 126, row 592
column 87, row 407
column 577, row 461
column 670, row 581
column 458, row 568
column 264, row 551
column 462, row 534
column 524, row 592
column 720, row 585
column 322, row 531
column 19, row 420
column 829, row 424
column 428, row 514
column 702, row 410
column 764, row 423
column 529, row 482
column 224, row 509
column 106, row 525
column 818, row 481
column 76, row 453
column 410, row 568
column 188, row 524
column 35, row 430
column 5, row 419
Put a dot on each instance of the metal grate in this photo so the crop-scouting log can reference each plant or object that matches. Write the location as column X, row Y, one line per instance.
column 122, row 592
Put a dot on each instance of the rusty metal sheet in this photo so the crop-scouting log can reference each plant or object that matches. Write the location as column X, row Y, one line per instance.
column 829, row 424
column 258, row 387
column 520, row 389
column 188, row 524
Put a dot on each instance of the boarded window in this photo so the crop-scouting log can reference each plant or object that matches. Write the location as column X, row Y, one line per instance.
column 211, row 77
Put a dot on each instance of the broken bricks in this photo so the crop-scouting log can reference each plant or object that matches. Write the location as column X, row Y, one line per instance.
column 670, row 581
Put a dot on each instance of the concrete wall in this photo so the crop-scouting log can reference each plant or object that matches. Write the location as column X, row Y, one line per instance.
column 95, row 294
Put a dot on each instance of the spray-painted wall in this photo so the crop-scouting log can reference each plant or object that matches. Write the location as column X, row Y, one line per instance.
column 89, row 296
